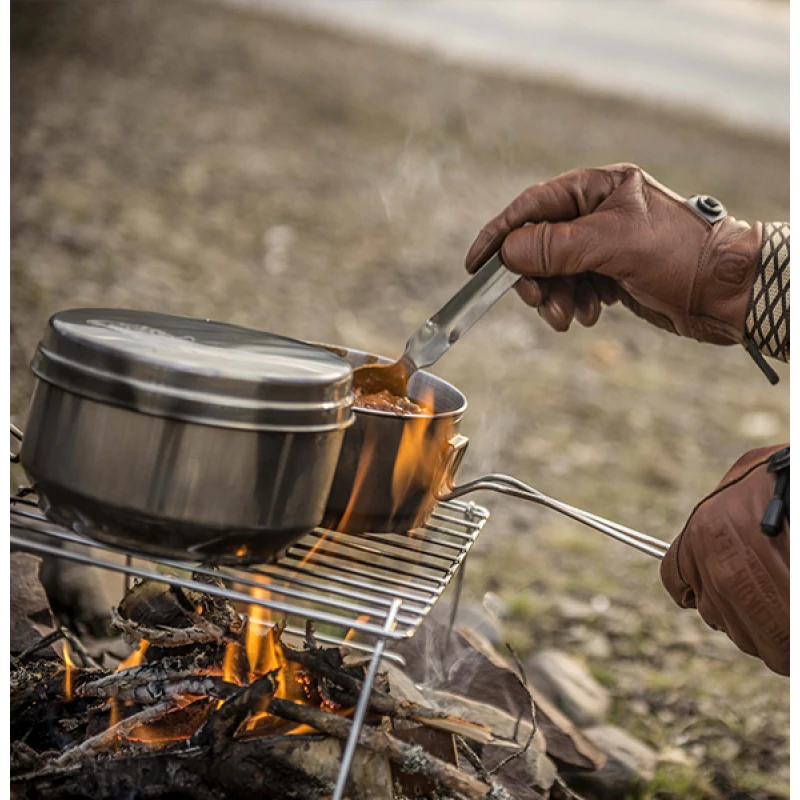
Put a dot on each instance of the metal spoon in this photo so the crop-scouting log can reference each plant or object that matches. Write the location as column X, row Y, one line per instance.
column 441, row 331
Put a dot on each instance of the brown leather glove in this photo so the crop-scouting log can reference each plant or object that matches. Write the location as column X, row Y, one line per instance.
column 736, row 576
column 613, row 233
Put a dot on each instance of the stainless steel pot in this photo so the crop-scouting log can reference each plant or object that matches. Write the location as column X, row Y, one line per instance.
column 183, row 436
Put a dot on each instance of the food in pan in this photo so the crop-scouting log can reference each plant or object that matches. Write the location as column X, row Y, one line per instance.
column 386, row 401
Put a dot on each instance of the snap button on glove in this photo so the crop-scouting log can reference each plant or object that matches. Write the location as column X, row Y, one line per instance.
column 723, row 564
column 598, row 236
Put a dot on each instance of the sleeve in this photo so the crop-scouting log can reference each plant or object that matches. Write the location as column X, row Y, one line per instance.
column 767, row 322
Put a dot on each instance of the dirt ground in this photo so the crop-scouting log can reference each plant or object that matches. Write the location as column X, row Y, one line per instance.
column 189, row 158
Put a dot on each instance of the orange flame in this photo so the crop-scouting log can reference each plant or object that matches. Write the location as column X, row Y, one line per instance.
column 229, row 673
column 69, row 666
column 417, row 461
column 258, row 649
column 114, row 715
column 352, row 632
column 135, row 658
column 368, row 451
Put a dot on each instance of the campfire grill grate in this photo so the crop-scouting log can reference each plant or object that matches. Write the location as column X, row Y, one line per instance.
column 343, row 582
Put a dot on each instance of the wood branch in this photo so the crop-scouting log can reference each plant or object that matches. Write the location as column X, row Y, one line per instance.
column 106, row 740
column 53, row 637
column 202, row 632
column 154, row 691
column 218, row 730
column 77, row 645
column 409, row 758
column 310, row 642
column 382, row 703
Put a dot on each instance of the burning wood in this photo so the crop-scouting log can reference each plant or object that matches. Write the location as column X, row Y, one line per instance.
column 137, row 686
column 171, row 616
column 203, row 700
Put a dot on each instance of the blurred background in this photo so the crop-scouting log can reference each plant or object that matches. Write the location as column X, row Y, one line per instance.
column 318, row 168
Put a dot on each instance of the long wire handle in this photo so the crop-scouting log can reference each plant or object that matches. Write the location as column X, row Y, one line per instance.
column 508, row 485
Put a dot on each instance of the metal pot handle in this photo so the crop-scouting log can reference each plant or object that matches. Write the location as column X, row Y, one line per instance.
column 505, row 484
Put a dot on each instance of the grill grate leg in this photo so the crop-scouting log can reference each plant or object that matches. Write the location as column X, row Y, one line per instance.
column 363, row 702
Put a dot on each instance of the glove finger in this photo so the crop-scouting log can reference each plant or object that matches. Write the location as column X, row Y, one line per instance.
column 565, row 249
column 562, row 198
column 671, row 575
column 587, row 304
column 532, row 292
column 558, row 310
column 607, row 288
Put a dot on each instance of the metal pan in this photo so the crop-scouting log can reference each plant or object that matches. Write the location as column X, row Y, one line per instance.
column 382, row 486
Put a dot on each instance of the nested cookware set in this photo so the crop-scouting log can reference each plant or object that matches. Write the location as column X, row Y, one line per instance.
column 190, row 438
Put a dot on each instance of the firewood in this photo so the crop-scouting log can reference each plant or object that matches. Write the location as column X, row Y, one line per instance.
column 171, row 616
column 318, row 662
column 164, row 774
column 201, row 632
column 146, row 692
column 108, row 738
column 218, row 730
column 410, row 758
column 165, row 669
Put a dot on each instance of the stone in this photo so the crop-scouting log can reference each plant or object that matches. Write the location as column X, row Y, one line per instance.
column 568, row 684
column 597, row 646
column 31, row 616
column 571, row 610
column 630, row 765
column 759, row 425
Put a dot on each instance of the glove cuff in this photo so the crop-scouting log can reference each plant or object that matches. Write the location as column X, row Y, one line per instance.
column 767, row 320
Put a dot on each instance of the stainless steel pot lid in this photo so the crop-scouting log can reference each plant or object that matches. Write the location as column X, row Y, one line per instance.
column 195, row 370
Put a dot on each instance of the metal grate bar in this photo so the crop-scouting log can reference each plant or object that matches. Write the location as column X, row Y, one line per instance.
column 342, row 581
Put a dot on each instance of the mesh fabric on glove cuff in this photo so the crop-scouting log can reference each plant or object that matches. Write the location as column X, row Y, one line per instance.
column 767, row 321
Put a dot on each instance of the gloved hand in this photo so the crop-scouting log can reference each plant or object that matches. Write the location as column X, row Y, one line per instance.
column 736, row 576
column 613, row 233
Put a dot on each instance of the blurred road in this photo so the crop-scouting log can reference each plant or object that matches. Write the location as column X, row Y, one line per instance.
column 726, row 58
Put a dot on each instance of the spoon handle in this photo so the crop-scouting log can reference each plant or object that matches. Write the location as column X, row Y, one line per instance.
column 459, row 313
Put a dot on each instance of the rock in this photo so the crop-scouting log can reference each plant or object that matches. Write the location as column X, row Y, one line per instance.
column 569, row 685
column 533, row 768
column 31, row 617
column 631, row 764
column 572, row 610
column 597, row 646
column 81, row 596
column 759, row 425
